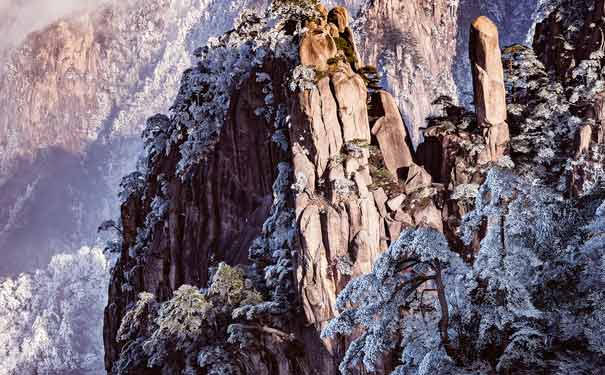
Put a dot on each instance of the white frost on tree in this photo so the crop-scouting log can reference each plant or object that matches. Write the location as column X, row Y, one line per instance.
column 51, row 321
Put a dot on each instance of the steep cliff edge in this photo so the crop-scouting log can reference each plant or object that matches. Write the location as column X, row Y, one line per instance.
column 284, row 177
column 216, row 187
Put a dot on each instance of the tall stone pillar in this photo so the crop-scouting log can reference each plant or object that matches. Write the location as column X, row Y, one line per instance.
column 488, row 85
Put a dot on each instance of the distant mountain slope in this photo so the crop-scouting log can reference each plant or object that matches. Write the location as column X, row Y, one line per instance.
column 74, row 97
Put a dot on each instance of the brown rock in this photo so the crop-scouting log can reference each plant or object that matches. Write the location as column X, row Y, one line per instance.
column 323, row 11
column 351, row 94
column 333, row 29
column 320, row 132
column 396, row 202
column 304, row 170
column 417, row 178
column 497, row 138
column 317, row 288
column 339, row 16
column 348, row 36
column 394, row 229
column 391, row 135
column 599, row 115
column 428, row 215
column 316, row 47
column 380, row 198
column 404, row 218
column 362, row 185
column 488, row 84
column 583, row 139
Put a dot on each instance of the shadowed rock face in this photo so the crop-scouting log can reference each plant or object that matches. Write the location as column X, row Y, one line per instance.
column 488, row 83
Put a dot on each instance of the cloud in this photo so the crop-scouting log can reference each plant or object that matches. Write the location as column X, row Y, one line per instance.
column 18, row 18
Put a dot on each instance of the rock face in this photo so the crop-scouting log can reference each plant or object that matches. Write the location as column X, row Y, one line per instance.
column 413, row 44
column 488, row 83
column 74, row 96
column 390, row 131
column 317, row 47
column 213, row 217
column 303, row 181
column 355, row 187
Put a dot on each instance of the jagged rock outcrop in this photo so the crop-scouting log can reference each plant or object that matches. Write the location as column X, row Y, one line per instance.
column 353, row 190
column 284, row 158
column 213, row 216
column 488, row 83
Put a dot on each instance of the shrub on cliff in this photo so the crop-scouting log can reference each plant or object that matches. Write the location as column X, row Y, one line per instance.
column 193, row 323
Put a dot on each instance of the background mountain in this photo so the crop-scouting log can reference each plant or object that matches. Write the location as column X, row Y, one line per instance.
column 272, row 221
column 75, row 95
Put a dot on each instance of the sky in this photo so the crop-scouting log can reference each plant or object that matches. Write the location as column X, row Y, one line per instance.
column 18, row 18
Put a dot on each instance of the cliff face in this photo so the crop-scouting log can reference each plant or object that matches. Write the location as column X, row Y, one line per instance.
column 301, row 171
column 75, row 96
column 285, row 170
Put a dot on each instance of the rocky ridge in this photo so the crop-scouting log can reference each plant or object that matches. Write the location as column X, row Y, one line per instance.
column 356, row 181
column 283, row 173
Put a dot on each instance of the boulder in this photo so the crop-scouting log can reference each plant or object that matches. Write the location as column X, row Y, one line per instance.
column 396, row 202
column 488, row 85
column 316, row 47
column 417, row 178
column 339, row 16
column 391, row 135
